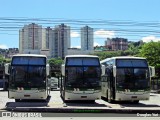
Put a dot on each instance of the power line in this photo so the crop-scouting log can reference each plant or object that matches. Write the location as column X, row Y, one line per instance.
column 125, row 27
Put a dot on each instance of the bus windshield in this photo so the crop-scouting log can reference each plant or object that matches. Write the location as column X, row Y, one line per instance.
column 22, row 60
column 28, row 76
column 82, row 62
column 83, row 77
column 131, row 63
column 28, row 72
column 133, row 78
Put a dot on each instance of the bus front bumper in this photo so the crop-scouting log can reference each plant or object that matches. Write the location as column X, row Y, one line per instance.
column 82, row 95
column 130, row 96
column 27, row 94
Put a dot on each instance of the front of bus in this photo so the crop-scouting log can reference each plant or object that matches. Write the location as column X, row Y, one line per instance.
column 82, row 78
column 132, row 80
column 27, row 78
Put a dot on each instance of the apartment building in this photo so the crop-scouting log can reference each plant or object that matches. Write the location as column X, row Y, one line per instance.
column 116, row 44
column 87, row 38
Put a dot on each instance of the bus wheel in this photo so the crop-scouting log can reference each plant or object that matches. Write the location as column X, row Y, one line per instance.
column 106, row 95
column 17, row 100
column 90, row 101
column 109, row 100
column 66, row 101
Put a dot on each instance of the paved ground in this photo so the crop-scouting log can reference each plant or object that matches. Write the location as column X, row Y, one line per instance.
column 56, row 102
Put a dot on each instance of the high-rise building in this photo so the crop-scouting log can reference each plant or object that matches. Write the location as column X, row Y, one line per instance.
column 61, row 41
column 34, row 39
column 49, row 36
column 87, row 38
column 30, row 38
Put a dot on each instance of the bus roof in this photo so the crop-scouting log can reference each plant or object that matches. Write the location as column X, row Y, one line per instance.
column 121, row 57
column 127, row 57
column 29, row 55
column 90, row 56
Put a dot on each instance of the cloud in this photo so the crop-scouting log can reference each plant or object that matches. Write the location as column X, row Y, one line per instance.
column 74, row 34
column 96, row 44
column 104, row 33
column 3, row 47
column 150, row 38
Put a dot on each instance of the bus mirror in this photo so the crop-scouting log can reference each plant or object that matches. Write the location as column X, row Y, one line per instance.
column 152, row 71
column 47, row 69
column 7, row 68
column 114, row 71
column 103, row 70
column 63, row 69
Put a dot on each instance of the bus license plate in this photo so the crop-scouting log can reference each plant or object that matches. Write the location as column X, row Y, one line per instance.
column 26, row 95
column 83, row 96
column 134, row 96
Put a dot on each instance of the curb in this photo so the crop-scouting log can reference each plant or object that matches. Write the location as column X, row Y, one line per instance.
column 82, row 110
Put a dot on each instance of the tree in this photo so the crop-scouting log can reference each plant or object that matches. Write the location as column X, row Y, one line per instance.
column 134, row 48
column 1, row 59
column 108, row 54
column 55, row 61
column 151, row 51
column 7, row 60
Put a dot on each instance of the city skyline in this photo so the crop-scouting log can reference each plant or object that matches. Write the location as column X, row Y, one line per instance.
column 53, row 42
column 134, row 20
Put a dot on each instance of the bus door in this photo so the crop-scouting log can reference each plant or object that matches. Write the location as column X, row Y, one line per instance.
column 111, row 84
column 63, row 82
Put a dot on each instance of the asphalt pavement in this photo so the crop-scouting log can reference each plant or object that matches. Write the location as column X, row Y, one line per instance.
column 56, row 105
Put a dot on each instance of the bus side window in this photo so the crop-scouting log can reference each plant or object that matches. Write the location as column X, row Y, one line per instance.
column 111, row 62
column 107, row 63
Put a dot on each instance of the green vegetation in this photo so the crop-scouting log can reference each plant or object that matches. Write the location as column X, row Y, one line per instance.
column 151, row 51
column 108, row 54
column 55, row 61
column 3, row 60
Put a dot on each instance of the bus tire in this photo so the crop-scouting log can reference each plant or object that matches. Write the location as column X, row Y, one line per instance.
column 107, row 95
column 66, row 101
column 91, row 101
column 109, row 98
column 17, row 100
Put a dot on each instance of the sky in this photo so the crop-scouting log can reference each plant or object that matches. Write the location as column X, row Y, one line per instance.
column 132, row 19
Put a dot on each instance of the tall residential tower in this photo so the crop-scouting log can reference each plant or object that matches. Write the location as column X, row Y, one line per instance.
column 61, row 41
column 30, row 38
column 87, row 38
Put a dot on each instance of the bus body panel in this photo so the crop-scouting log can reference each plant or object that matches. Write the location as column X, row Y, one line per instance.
column 28, row 94
column 132, row 96
column 82, row 95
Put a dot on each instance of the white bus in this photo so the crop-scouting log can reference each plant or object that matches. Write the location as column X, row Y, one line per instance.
column 81, row 78
column 28, row 77
column 126, row 79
